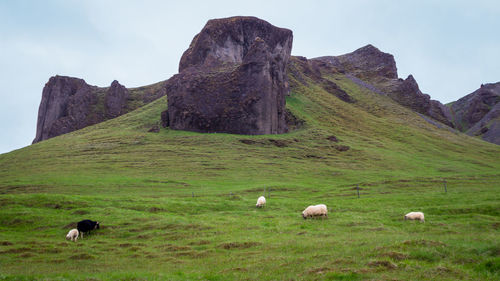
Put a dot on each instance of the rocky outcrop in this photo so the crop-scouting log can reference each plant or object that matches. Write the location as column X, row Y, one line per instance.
column 116, row 100
column 377, row 71
column 232, row 79
column 64, row 107
column 367, row 62
column 301, row 70
column 228, row 40
column 70, row 104
column 478, row 114
column 406, row 92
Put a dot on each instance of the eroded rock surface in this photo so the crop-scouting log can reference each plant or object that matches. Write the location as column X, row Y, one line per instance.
column 232, row 79
column 366, row 62
column 478, row 114
column 116, row 100
column 70, row 104
column 406, row 92
column 377, row 71
column 64, row 107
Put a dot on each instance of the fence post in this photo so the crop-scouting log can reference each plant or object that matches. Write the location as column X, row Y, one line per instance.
column 357, row 188
column 192, row 194
column 445, row 189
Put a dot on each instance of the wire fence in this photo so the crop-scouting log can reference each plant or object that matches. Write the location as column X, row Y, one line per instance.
column 354, row 190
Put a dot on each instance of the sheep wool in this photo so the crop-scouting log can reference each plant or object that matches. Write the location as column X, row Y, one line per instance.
column 85, row 226
column 72, row 235
column 261, row 202
column 415, row 216
column 315, row 211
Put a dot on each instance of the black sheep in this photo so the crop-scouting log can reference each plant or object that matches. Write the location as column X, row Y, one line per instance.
column 86, row 226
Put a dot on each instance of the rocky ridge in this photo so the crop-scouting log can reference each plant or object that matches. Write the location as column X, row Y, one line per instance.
column 70, row 104
column 233, row 78
column 478, row 114
column 378, row 72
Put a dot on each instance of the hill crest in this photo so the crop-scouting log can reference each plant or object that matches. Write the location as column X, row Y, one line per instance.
column 215, row 63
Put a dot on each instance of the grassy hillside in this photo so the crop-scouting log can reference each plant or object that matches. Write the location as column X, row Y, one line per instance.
column 181, row 205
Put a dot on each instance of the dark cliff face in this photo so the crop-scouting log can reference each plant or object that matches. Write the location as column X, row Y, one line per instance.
column 228, row 40
column 69, row 104
column 232, row 79
column 377, row 71
column 478, row 114
column 64, row 106
column 406, row 92
column 366, row 62
column 116, row 100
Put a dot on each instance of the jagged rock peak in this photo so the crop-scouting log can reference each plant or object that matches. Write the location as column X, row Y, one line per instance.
column 232, row 79
column 116, row 100
column 228, row 40
column 70, row 104
column 377, row 71
column 478, row 113
column 115, row 83
column 367, row 61
column 411, row 79
column 491, row 86
column 64, row 106
column 412, row 83
column 368, row 50
column 371, row 59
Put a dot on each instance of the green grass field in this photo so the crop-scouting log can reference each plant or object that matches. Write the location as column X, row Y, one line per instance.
column 179, row 205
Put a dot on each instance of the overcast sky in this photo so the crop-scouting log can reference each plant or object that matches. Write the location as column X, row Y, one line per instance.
column 450, row 47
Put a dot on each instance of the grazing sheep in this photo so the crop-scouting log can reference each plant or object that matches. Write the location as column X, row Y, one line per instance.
column 261, row 202
column 72, row 235
column 86, row 226
column 415, row 216
column 315, row 211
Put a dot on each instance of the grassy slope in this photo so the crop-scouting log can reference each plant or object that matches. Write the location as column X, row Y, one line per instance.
column 140, row 186
column 137, row 98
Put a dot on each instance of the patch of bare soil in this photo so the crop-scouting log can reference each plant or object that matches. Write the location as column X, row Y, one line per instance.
column 238, row 245
column 386, row 264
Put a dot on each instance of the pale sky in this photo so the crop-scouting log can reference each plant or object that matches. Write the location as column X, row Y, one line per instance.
column 450, row 47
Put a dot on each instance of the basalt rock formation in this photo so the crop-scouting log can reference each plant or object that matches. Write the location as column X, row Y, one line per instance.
column 377, row 71
column 70, row 104
column 478, row 114
column 300, row 67
column 367, row 62
column 65, row 105
column 232, row 79
column 406, row 92
column 116, row 100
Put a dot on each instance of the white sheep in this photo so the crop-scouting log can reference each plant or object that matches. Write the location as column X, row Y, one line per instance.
column 315, row 211
column 72, row 235
column 415, row 216
column 261, row 202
